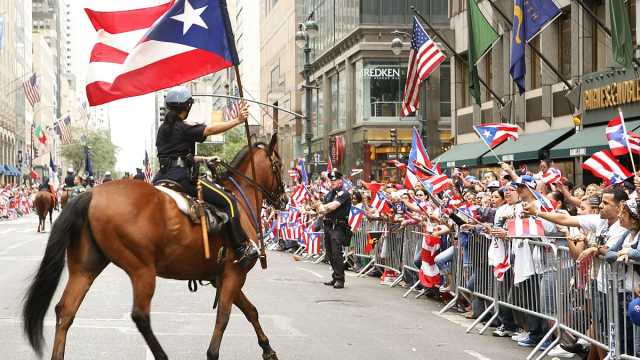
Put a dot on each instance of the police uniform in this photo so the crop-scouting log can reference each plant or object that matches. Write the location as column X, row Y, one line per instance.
column 68, row 181
column 336, row 226
column 139, row 175
column 176, row 145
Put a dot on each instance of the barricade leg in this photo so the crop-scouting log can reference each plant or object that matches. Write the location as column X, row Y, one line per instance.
column 486, row 326
column 544, row 338
column 367, row 268
column 450, row 304
column 412, row 288
column 318, row 260
column 397, row 280
column 484, row 313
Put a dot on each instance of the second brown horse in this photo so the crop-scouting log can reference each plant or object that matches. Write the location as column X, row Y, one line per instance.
column 44, row 202
column 141, row 230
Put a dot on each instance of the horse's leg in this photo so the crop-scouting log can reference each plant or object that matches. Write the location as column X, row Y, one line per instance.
column 251, row 313
column 144, row 284
column 85, row 264
column 232, row 282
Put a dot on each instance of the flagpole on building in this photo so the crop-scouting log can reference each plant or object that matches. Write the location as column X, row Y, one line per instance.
column 626, row 140
column 457, row 56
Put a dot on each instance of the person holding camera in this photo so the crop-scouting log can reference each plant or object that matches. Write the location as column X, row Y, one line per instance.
column 335, row 210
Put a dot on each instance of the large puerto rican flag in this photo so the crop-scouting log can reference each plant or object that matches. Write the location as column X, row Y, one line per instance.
column 616, row 135
column 495, row 134
column 604, row 165
column 149, row 45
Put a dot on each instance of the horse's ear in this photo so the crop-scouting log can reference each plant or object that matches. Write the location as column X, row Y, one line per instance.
column 273, row 143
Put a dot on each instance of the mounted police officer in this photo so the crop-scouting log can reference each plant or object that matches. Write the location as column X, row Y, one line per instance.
column 139, row 174
column 175, row 143
column 68, row 180
column 335, row 208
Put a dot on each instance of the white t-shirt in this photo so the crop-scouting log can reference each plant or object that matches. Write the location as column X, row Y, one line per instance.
column 595, row 224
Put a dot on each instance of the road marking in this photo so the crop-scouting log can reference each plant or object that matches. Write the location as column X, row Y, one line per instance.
column 14, row 246
column 456, row 319
column 476, row 355
column 312, row 272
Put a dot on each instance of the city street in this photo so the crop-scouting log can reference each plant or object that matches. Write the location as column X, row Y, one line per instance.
column 303, row 318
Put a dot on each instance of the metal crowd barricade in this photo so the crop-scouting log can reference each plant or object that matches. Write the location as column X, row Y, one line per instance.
column 380, row 228
column 359, row 243
column 623, row 282
column 388, row 251
column 412, row 246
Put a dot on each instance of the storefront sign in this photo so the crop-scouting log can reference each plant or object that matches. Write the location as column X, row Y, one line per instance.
column 507, row 157
column 381, row 73
column 578, row 152
column 451, row 164
column 612, row 95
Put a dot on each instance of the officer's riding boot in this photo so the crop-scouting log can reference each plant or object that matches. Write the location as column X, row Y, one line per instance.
column 246, row 253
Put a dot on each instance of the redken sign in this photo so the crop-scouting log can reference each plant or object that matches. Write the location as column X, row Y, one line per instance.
column 381, row 73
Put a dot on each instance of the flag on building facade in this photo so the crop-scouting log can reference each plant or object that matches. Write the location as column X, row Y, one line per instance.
column 41, row 135
column 147, row 167
column 481, row 39
column 170, row 43
column 604, row 165
column 495, row 134
column 32, row 89
column 530, row 17
column 63, row 130
column 425, row 56
column 621, row 38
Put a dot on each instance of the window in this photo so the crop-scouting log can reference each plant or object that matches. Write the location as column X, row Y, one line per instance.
column 382, row 89
column 319, row 128
column 488, row 77
column 599, row 39
column 445, row 89
column 564, row 43
column 464, row 99
column 342, row 100
column 631, row 11
column 275, row 78
column 334, row 101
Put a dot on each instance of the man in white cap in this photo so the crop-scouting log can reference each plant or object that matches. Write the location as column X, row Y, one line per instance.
column 68, row 180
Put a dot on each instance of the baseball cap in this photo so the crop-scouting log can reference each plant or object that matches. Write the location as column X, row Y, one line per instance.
column 526, row 180
column 633, row 310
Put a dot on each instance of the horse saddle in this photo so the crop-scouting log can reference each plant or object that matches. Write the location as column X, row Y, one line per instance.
column 193, row 208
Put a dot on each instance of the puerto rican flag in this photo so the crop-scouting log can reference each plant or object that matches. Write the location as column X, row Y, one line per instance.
column 356, row 214
column 525, row 227
column 616, row 136
column 634, row 142
column 552, row 176
column 149, row 45
column 437, row 183
column 418, row 154
column 545, row 203
column 495, row 134
column 380, row 202
column 429, row 273
column 312, row 240
column 604, row 165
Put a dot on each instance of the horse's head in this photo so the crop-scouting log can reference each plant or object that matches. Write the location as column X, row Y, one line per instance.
column 276, row 197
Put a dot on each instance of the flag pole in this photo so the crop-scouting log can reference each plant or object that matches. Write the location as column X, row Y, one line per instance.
column 626, row 140
column 490, row 148
column 263, row 254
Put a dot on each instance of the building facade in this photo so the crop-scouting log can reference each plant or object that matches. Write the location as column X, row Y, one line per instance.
column 552, row 127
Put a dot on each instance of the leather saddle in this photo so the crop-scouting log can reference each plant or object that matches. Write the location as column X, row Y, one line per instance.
column 191, row 207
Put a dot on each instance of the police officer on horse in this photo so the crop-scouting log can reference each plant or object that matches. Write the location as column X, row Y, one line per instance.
column 68, row 180
column 175, row 144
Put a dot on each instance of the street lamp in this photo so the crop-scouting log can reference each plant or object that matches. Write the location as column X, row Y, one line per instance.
column 397, row 44
column 306, row 31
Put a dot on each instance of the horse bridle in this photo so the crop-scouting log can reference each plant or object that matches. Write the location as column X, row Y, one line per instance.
column 273, row 199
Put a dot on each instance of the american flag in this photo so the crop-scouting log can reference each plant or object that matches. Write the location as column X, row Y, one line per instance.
column 147, row 167
column 63, row 130
column 32, row 89
column 424, row 58
column 232, row 110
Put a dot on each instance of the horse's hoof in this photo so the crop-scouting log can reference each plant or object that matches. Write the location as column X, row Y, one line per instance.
column 270, row 356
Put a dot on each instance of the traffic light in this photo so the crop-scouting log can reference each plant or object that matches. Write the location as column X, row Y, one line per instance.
column 393, row 133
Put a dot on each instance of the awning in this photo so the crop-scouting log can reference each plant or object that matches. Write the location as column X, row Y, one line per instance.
column 528, row 147
column 9, row 170
column 17, row 171
column 462, row 154
column 586, row 142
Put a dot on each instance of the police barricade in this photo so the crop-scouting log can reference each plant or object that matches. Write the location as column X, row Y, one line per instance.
column 412, row 247
column 360, row 247
column 623, row 285
column 375, row 231
column 388, row 251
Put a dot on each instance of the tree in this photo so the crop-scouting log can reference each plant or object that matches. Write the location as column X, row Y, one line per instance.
column 234, row 141
column 103, row 151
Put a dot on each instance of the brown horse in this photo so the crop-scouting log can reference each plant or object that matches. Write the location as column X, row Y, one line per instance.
column 141, row 230
column 44, row 204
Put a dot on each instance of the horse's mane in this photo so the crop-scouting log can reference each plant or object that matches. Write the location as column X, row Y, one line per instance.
column 239, row 158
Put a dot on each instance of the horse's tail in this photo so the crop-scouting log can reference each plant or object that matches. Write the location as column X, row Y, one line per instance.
column 66, row 230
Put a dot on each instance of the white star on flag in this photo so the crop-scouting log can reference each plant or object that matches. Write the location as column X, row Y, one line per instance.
column 486, row 134
column 191, row 17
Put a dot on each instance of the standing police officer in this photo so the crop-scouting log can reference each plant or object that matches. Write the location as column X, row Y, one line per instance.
column 335, row 208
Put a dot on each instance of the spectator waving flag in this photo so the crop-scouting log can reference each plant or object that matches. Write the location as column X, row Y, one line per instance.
column 424, row 58
column 605, row 166
column 32, row 89
column 634, row 142
column 165, row 43
column 355, row 217
column 380, row 202
column 545, row 203
column 495, row 134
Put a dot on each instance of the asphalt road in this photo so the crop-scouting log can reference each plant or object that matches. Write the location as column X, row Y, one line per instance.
column 303, row 318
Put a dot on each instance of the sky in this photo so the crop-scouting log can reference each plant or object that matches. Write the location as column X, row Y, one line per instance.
column 131, row 119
